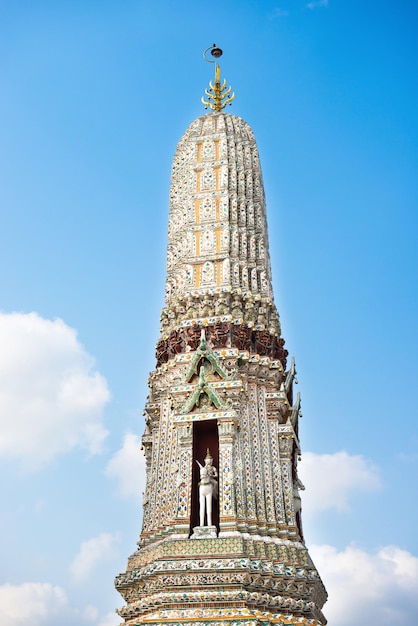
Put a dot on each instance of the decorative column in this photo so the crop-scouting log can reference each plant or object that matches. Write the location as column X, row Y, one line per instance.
column 286, row 445
column 183, row 482
column 227, row 506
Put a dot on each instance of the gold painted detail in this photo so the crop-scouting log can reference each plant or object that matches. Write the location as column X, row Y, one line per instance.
column 219, row 95
column 198, row 275
column 218, row 210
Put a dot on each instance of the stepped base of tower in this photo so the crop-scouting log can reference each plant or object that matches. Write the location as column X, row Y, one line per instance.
column 238, row 580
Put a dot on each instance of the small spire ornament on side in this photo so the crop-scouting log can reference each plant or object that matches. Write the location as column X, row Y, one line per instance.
column 219, row 95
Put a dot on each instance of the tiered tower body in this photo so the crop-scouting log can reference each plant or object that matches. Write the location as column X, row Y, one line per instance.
column 228, row 389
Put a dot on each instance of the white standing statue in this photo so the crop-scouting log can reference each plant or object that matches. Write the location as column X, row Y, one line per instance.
column 208, row 488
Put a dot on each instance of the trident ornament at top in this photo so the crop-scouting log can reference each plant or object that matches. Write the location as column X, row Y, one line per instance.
column 218, row 95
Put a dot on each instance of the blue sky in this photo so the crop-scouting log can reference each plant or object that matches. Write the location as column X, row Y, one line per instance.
column 94, row 97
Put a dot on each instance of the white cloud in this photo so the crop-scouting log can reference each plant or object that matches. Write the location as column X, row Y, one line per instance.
column 368, row 588
column 92, row 552
column 111, row 619
column 43, row 604
column 90, row 613
column 317, row 3
column 51, row 397
column 33, row 603
column 279, row 13
column 331, row 478
column 127, row 466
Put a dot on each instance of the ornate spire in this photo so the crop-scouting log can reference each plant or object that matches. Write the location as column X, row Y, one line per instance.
column 220, row 383
column 219, row 95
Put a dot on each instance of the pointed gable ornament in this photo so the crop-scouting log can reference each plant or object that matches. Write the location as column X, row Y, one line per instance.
column 204, row 393
column 203, row 396
column 202, row 354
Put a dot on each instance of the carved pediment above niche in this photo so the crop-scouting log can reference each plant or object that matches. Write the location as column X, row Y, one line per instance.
column 204, row 396
column 204, row 357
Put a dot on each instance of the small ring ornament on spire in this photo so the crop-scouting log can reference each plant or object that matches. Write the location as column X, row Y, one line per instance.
column 215, row 52
column 219, row 95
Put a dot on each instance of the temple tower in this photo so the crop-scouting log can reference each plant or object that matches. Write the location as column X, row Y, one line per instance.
column 221, row 541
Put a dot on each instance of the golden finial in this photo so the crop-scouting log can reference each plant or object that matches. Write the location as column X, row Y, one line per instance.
column 218, row 95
